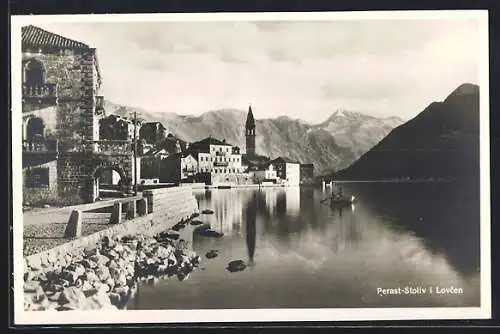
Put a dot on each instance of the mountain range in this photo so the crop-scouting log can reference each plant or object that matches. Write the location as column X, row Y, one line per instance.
column 441, row 142
column 331, row 145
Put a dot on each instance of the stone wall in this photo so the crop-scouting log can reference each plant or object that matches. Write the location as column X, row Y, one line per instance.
column 170, row 170
column 47, row 114
column 71, row 176
column 150, row 167
column 169, row 207
column 232, row 179
column 170, row 202
column 76, row 172
column 37, row 195
column 73, row 73
column 63, row 69
column 52, row 171
column 69, row 125
column 88, row 91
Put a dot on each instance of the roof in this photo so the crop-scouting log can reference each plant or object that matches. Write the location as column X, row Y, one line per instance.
column 184, row 154
column 37, row 36
column 118, row 118
column 255, row 160
column 170, row 144
column 307, row 165
column 250, row 123
column 157, row 151
column 146, row 124
column 210, row 141
column 284, row 160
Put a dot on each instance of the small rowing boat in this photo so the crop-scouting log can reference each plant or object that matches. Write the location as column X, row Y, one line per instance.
column 342, row 201
column 339, row 200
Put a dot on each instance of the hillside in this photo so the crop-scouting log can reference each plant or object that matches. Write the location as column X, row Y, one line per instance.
column 331, row 145
column 440, row 142
column 358, row 131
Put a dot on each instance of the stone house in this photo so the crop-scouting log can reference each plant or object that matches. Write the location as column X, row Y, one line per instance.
column 152, row 132
column 151, row 159
column 173, row 144
column 306, row 173
column 62, row 105
column 178, row 167
column 287, row 171
column 115, row 127
column 265, row 173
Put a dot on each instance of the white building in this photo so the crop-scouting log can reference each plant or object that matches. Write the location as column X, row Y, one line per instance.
column 217, row 157
column 287, row 171
column 189, row 166
column 265, row 173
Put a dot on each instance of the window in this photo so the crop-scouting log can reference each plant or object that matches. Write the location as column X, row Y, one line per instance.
column 37, row 178
column 34, row 73
column 34, row 128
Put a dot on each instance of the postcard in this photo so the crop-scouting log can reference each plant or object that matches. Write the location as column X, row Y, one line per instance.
column 180, row 168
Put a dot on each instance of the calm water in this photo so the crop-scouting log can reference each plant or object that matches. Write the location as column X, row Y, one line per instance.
column 302, row 253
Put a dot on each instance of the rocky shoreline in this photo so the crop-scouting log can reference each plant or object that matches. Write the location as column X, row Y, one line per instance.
column 106, row 276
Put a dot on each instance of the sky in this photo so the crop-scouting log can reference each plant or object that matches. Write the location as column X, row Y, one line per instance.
column 302, row 69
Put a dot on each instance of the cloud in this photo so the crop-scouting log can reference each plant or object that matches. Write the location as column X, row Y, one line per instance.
column 302, row 69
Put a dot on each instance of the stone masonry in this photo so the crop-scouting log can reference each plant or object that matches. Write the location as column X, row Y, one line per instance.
column 72, row 68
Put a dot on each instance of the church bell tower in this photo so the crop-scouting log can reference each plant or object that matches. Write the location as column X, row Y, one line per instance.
column 250, row 133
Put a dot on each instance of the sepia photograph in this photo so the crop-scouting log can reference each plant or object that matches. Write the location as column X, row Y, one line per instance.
column 179, row 168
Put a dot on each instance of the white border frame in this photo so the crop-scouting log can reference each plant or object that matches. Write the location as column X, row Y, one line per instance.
column 253, row 315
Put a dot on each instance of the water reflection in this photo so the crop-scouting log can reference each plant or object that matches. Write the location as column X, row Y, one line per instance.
column 348, row 230
column 251, row 229
column 305, row 254
column 229, row 206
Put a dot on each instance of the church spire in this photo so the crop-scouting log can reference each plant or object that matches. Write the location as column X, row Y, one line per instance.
column 250, row 132
column 250, row 124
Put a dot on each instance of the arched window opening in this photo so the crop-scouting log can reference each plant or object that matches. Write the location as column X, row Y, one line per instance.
column 110, row 182
column 34, row 73
column 35, row 129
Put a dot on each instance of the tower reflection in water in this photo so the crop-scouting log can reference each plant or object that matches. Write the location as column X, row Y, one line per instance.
column 251, row 228
column 236, row 210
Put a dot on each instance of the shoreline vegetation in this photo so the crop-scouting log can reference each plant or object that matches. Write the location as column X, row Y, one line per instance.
column 106, row 276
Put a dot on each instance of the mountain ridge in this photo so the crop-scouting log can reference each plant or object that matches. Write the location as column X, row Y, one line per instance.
column 442, row 141
column 329, row 145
